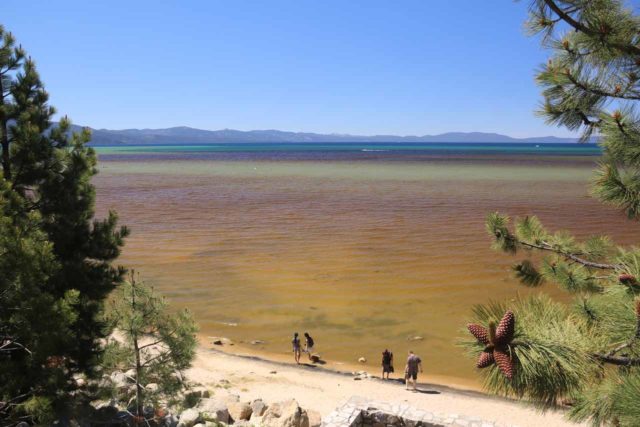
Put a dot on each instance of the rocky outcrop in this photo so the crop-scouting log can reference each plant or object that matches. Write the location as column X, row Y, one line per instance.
column 285, row 414
column 189, row 418
column 213, row 410
column 239, row 411
column 258, row 407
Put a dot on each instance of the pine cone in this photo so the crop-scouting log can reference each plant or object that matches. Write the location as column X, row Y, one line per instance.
column 486, row 359
column 504, row 362
column 506, row 328
column 628, row 279
column 481, row 334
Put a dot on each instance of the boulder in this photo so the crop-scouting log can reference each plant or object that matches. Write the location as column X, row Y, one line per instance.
column 80, row 381
column 170, row 420
column 131, row 375
column 285, row 414
column 243, row 423
column 189, row 417
column 239, row 411
column 315, row 420
column 213, row 410
column 257, row 408
column 119, row 379
column 152, row 387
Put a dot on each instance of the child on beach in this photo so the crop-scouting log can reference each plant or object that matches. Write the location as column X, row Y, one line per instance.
column 308, row 344
column 296, row 347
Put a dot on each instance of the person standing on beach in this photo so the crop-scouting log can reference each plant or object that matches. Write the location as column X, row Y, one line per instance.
column 296, row 347
column 387, row 363
column 308, row 344
column 414, row 364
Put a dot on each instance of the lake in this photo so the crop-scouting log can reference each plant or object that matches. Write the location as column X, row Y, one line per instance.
column 365, row 246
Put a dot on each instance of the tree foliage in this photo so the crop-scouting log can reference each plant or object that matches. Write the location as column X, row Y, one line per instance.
column 56, row 265
column 156, row 345
column 586, row 353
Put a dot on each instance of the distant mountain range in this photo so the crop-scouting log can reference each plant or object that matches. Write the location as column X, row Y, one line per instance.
column 185, row 135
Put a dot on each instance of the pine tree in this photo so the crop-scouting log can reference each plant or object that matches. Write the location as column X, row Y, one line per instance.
column 586, row 353
column 56, row 265
column 156, row 346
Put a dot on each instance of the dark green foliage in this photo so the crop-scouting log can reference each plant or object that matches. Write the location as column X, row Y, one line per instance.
column 527, row 273
column 56, row 270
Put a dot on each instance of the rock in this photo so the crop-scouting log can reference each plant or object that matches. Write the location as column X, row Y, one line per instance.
column 243, row 423
column 197, row 393
column 360, row 375
column 189, row 417
column 119, row 379
column 131, row 375
column 152, row 387
column 315, row 420
column 415, row 338
column 285, row 414
column 171, row 420
column 80, row 380
column 239, row 411
column 213, row 410
column 221, row 341
column 257, row 342
column 362, row 360
column 200, row 425
column 273, row 372
column 257, row 408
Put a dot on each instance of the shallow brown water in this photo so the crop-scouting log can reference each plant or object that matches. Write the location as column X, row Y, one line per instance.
column 363, row 255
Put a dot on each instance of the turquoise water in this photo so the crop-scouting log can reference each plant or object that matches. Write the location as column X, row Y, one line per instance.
column 371, row 149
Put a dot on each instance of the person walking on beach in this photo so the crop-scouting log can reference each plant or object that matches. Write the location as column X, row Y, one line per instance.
column 308, row 344
column 296, row 347
column 387, row 363
column 414, row 364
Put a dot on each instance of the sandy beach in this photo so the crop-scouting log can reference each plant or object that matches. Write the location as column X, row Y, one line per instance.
column 322, row 389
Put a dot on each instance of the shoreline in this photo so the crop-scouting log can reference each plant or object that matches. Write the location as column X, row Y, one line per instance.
column 251, row 352
column 323, row 389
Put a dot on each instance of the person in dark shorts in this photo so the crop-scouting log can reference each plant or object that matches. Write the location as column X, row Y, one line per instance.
column 295, row 342
column 308, row 344
column 387, row 363
column 414, row 364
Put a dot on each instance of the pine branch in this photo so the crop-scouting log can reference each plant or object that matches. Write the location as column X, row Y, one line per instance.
column 566, row 17
column 618, row 360
column 547, row 247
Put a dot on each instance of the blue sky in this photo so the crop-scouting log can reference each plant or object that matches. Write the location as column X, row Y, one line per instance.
column 351, row 66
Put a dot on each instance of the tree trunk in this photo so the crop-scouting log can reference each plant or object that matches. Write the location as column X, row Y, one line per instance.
column 136, row 349
column 138, row 372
